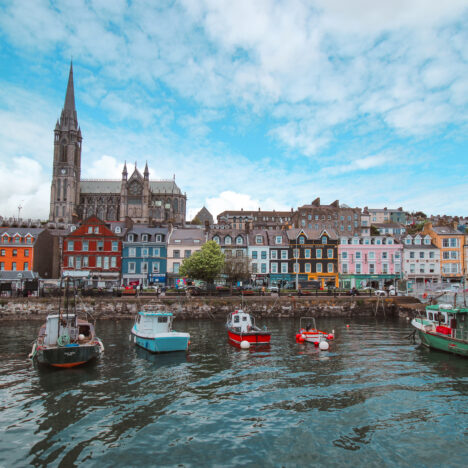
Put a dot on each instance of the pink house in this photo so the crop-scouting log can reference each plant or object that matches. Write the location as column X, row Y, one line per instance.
column 373, row 261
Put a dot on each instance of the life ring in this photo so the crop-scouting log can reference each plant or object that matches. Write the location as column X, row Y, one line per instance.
column 424, row 296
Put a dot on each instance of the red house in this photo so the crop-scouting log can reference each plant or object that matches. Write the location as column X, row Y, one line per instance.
column 96, row 248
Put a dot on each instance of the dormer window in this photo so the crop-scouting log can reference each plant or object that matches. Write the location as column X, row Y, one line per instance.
column 324, row 240
column 228, row 240
column 278, row 239
column 344, row 241
column 389, row 241
column 408, row 241
column 131, row 238
column 90, row 229
column 118, row 230
column 355, row 240
column 144, row 237
column 239, row 240
column 259, row 239
column 417, row 240
column 301, row 240
column 216, row 239
column 427, row 240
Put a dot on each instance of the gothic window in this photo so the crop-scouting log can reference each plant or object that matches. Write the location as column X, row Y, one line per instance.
column 77, row 153
column 64, row 191
column 102, row 212
column 176, row 205
column 112, row 213
column 58, row 189
column 56, row 211
column 63, row 151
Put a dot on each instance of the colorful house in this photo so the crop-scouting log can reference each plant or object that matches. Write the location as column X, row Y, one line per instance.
column 450, row 241
column 259, row 253
column 369, row 261
column 279, row 258
column 144, row 256
column 95, row 247
column 313, row 256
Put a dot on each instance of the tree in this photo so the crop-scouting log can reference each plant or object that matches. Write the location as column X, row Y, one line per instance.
column 237, row 269
column 374, row 231
column 205, row 264
column 196, row 221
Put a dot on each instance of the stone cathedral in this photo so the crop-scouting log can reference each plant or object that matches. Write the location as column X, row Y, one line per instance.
column 136, row 197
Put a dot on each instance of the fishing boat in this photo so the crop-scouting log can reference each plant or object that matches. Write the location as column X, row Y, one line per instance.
column 152, row 331
column 241, row 327
column 444, row 328
column 310, row 333
column 65, row 340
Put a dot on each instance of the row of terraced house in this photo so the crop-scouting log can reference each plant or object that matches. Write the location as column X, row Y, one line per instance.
column 122, row 253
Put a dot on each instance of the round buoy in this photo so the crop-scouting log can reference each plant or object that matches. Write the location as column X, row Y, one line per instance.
column 245, row 344
column 300, row 338
column 316, row 343
column 347, row 326
column 81, row 337
column 330, row 336
column 324, row 345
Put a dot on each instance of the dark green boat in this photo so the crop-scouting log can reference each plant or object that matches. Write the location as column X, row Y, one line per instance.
column 444, row 328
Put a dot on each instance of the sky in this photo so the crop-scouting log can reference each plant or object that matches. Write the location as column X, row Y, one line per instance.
column 251, row 104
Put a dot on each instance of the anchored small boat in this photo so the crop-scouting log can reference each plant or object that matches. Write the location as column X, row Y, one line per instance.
column 241, row 327
column 444, row 328
column 153, row 331
column 308, row 332
column 65, row 340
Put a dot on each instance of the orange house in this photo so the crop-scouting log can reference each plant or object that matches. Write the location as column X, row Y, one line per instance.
column 26, row 249
column 450, row 242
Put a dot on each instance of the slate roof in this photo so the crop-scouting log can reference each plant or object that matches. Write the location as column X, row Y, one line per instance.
column 187, row 236
column 113, row 186
column 446, row 230
column 13, row 275
column 311, row 233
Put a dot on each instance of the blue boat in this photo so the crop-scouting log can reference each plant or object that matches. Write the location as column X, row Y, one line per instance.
column 153, row 331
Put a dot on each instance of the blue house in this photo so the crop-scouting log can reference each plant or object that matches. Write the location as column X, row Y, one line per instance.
column 144, row 256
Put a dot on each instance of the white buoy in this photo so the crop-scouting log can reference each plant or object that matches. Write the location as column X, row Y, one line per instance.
column 324, row 345
column 81, row 337
column 245, row 344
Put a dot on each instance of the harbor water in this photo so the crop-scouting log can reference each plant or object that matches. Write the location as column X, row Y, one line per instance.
column 374, row 399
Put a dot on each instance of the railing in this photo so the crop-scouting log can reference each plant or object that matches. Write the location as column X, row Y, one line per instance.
column 460, row 335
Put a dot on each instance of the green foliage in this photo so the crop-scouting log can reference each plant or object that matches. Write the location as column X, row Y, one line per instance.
column 374, row 231
column 196, row 221
column 237, row 269
column 204, row 265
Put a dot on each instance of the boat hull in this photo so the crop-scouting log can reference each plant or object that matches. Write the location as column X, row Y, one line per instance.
column 439, row 341
column 67, row 356
column 170, row 342
column 254, row 338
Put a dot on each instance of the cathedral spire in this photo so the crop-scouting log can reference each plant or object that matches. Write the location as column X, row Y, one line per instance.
column 124, row 172
column 70, row 96
column 146, row 172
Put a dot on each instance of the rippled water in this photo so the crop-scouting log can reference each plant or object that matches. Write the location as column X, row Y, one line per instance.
column 374, row 399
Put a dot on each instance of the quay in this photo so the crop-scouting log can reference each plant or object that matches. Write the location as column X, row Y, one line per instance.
column 217, row 308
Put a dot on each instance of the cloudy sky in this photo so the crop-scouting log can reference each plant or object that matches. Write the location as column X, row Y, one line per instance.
column 249, row 103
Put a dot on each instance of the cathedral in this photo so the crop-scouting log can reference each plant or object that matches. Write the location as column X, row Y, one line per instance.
column 137, row 197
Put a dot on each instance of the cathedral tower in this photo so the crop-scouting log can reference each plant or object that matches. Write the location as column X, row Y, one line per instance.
column 65, row 190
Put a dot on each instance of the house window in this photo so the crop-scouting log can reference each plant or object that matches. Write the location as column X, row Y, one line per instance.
column 412, row 268
column 144, row 267
column 115, row 246
column 358, row 255
column 132, row 252
column 70, row 262
column 295, row 253
column 307, row 253
column 274, row 267
column 156, row 267
column 13, row 266
column 227, row 240
column 90, row 229
column 263, row 268
column 85, row 262
column 144, row 252
column 284, row 255
column 176, row 254
column 301, row 240
column 78, row 263
column 296, row 268
column 263, row 254
column 330, row 267
column 216, row 239
column 421, row 254
column 258, row 239
column 384, row 255
column 187, row 253
column 318, row 268
column 239, row 253
column 307, row 268
column 2, row 253
column 96, row 230
column 344, row 268
column 422, row 269
column 144, row 238
column 344, row 255
column 284, row 268
column 15, row 253
column 131, row 267
column 99, row 262
column 324, row 240
column 70, row 246
column 254, row 254
column 432, row 268
column 159, row 238
column 274, row 254
column 28, row 240
column 371, row 268
column 100, row 246
column 156, row 252
column 432, row 254
column 371, row 255
column 318, row 253
column 384, row 268
column 411, row 255
column 118, row 230
column 358, row 268
column 239, row 240
column 85, row 246
column 330, row 253
column 254, row 268
column 131, row 238
column 113, row 262
column 278, row 240
column 26, row 252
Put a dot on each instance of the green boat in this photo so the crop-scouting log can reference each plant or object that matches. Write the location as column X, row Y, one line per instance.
column 445, row 328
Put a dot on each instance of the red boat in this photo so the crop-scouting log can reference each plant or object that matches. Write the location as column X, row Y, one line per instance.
column 241, row 327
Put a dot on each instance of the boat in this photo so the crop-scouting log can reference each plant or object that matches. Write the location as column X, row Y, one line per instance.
column 241, row 327
column 65, row 340
column 310, row 333
column 444, row 328
column 152, row 331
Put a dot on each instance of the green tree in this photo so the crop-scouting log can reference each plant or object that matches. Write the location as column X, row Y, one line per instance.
column 205, row 264
column 374, row 231
column 237, row 269
column 196, row 221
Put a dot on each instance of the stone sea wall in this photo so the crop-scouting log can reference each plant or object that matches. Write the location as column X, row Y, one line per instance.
column 214, row 308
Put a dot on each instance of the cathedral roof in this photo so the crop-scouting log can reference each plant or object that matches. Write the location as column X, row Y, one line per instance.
column 114, row 186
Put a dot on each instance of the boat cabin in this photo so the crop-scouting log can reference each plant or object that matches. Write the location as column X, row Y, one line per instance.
column 448, row 320
column 57, row 325
column 241, row 321
column 150, row 323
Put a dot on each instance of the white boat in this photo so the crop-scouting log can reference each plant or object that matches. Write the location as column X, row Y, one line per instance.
column 153, row 331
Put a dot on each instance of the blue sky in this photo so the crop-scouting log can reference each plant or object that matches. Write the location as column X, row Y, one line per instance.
column 250, row 104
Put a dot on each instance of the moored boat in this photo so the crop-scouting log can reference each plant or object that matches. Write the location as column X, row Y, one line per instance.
column 444, row 328
column 241, row 327
column 66, row 341
column 153, row 331
column 310, row 333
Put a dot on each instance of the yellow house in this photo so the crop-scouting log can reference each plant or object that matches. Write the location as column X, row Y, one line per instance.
column 451, row 245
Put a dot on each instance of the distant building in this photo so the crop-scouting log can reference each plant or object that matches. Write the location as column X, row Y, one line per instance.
column 259, row 254
column 340, row 218
column 260, row 219
column 72, row 198
column 386, row 215
column 204, row 216
column 392, row 229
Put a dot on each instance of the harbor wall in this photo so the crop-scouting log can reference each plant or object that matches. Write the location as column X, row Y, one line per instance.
column 214, row 308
